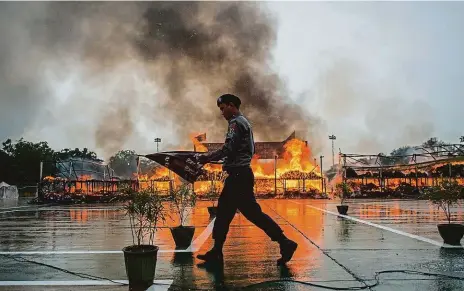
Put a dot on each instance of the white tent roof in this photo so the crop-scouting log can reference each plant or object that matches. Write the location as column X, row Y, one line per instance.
column 3, row 184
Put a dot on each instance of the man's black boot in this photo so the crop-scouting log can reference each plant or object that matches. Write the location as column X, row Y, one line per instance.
column 215, row 254
column 287, row 249
column 212, row 256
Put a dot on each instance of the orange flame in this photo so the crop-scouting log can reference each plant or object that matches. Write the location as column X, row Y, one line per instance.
column 295, row 166
column 198, row 146
column 296, row 163
column 294, row 169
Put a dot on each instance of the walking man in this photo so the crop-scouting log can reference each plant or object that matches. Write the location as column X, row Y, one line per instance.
column 238, row 193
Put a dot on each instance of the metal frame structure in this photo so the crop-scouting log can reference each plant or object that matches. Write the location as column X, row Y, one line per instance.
column 422, row 158
column 68, row 169
column 70, row 172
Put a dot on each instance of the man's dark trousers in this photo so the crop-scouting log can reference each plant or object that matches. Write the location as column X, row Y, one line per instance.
column 238, row 193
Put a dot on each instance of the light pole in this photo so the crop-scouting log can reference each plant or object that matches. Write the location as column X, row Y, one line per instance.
column 333, row 137
column 322, row 176
column 275, row 175
column 157, row 140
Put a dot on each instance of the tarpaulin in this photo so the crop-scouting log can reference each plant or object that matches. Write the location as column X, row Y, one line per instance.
column 183, row 163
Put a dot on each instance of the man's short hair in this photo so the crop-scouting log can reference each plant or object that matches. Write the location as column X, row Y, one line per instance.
column 229, row 98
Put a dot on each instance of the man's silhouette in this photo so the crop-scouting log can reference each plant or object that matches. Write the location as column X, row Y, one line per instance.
column 238, row 193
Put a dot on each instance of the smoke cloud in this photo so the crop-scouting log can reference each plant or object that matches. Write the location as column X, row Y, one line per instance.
column 113, row 75
column 383, row 114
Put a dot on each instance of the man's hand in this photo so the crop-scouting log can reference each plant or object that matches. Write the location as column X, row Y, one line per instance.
column 202, row 158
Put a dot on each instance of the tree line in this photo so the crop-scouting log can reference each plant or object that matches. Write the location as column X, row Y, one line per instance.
column 20, row 161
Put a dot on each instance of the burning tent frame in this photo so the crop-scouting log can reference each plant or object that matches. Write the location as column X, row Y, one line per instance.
column 289, row 182
column 424, row 166
column 77, row 176
column 292, row 182
column 179, row 161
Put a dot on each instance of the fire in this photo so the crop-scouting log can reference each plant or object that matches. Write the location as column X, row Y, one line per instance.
column 297, row 156
column 295, row 165
column 294, row 171
column 161, row 173
column 206, row 186
column 198, row 146
column 262, row 169
column 84, row 178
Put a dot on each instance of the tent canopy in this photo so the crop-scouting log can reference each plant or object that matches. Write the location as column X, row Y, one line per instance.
column 3, row 184
column 8, row 191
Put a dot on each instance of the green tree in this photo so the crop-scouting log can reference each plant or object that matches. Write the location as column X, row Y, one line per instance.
column 76, row 153
column 23, row 161
column 5, row 167
column 342, row 191
column 148, row 166
column 124, row 163
column 433, row 142
column 84, row 162
column 385, row 160
column 445, row 195
column 20, row 160
column 402, row 151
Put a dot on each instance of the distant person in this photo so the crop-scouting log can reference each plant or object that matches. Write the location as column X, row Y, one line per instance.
column 238, row 193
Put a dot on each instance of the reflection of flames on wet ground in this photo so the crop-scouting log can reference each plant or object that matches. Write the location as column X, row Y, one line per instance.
column 88, row 214
column 383, row 211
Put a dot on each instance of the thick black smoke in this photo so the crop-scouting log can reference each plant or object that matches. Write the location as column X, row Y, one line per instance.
column 192, row 52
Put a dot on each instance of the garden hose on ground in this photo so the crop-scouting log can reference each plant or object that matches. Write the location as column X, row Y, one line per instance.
column 251, row 286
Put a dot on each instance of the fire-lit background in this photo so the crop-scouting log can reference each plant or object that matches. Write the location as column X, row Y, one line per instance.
column 111, row 76
column 279, row 168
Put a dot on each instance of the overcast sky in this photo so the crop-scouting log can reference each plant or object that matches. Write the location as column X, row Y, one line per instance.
column 377, row 75
column 380, row 75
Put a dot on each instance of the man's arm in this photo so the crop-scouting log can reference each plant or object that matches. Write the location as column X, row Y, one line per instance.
column 234, row 134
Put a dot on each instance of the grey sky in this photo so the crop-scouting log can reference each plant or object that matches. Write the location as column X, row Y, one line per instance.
column 377, row 75
column 392, row 70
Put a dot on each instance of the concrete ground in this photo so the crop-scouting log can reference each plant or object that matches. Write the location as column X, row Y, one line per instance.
column 335, row 252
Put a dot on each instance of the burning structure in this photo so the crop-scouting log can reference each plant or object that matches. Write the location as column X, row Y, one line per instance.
column 421, row 166
column 264, row 150
column 77, row 177
column 281, row 169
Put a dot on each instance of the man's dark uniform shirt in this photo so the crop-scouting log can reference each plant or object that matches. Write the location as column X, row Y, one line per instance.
column 239, row 147
column 238, row 191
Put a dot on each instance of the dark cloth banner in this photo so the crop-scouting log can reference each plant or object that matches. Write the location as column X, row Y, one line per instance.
column 183, row 163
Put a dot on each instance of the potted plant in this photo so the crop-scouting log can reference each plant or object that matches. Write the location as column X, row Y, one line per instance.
column 145, row 211
column 183, row 200
column 342, row 190
column 212, row 195
column 445, row 195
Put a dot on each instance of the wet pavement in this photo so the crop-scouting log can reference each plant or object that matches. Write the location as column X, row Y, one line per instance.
column 334, row 251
